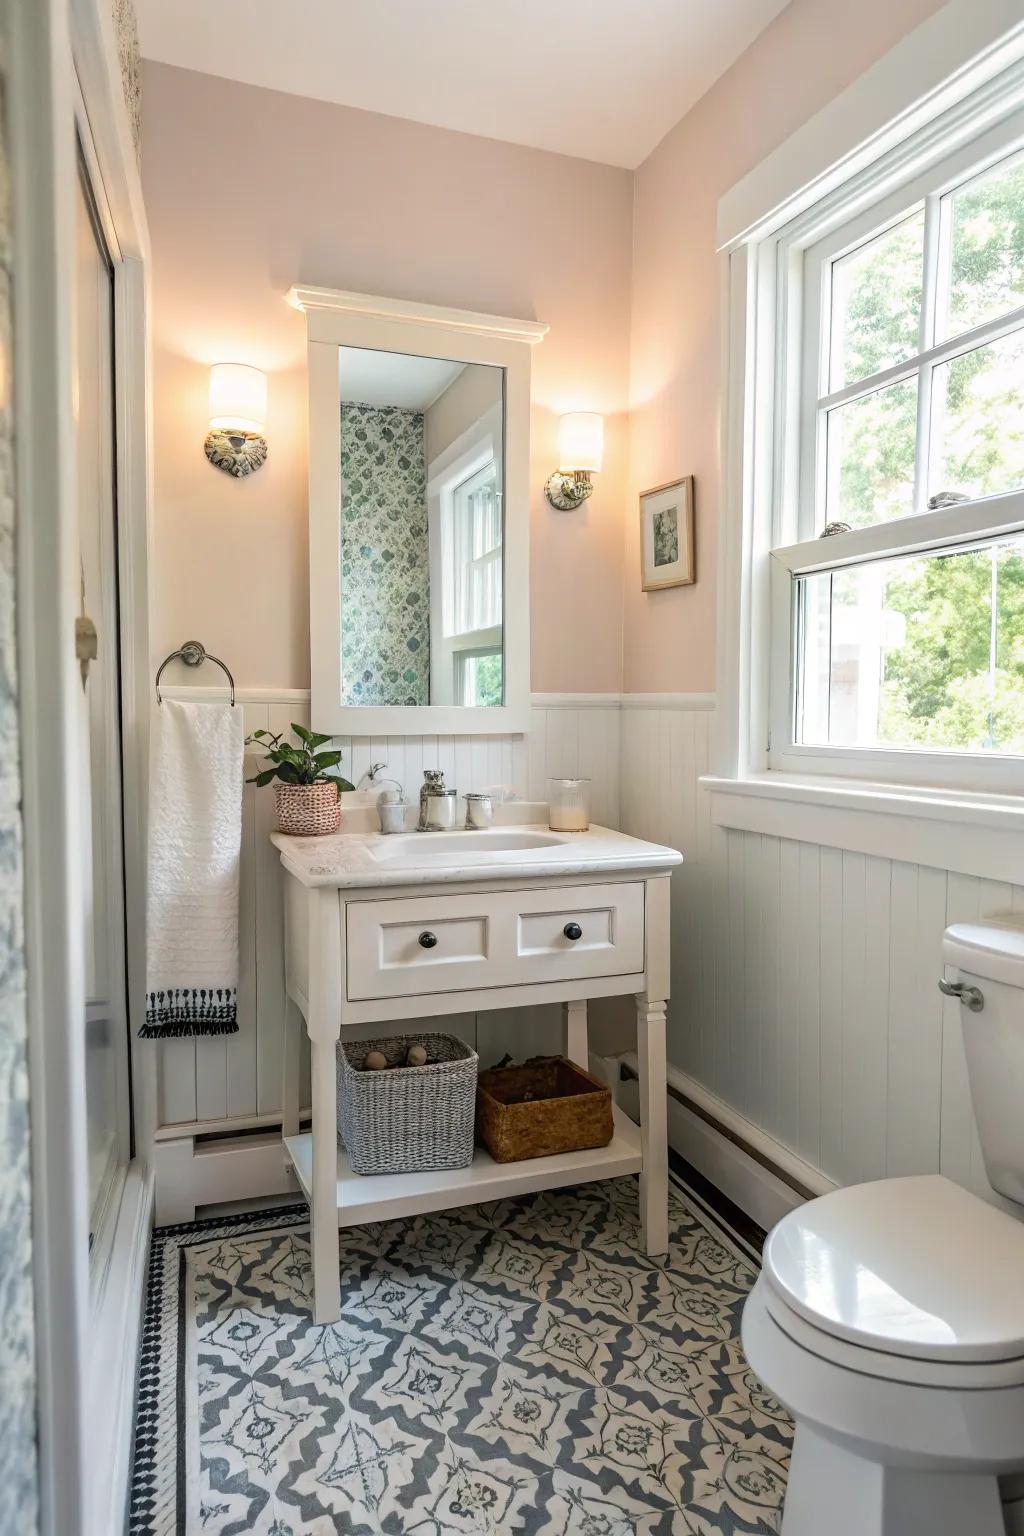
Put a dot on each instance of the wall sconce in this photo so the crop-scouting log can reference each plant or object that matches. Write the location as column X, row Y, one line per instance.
column 580, row 449
column 238, row 414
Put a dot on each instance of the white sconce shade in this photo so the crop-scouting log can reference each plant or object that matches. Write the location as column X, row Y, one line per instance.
column 238, row 398
column 580, row 442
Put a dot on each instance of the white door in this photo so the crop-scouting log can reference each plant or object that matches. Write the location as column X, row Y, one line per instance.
column 97, row 649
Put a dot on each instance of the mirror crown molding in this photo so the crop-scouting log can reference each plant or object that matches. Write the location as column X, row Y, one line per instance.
column 340, row 301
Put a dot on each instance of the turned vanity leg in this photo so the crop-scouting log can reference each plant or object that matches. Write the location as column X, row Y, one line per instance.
column 324, row 1204
column 292, row 1054
column 650, row 1049
column 323, row 1022
column 574, row 1033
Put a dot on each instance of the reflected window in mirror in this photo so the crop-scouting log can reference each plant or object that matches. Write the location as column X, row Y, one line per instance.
column 422, row 547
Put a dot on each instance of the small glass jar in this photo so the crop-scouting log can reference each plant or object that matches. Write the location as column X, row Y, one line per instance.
column 479, row 812
column 568, row 805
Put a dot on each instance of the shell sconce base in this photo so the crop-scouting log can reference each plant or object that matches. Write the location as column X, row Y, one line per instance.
column 237, row 453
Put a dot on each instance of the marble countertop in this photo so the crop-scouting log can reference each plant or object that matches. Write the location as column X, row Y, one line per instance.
column 347, row 859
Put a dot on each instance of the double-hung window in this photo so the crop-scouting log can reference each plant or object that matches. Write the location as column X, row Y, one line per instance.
column 472, row 590
column 896, row 474
column 464, row 501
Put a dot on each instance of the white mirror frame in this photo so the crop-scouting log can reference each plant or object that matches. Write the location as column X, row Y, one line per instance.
column 336, row 319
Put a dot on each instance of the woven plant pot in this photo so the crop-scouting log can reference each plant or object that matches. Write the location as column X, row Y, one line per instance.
column 307, row 810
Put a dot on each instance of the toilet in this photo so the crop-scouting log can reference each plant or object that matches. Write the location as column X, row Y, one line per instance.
column 889, row 1317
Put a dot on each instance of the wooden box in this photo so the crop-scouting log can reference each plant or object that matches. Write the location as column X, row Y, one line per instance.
column 548, row 1106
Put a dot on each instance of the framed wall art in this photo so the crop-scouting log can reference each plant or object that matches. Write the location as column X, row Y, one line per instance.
column 666, row 536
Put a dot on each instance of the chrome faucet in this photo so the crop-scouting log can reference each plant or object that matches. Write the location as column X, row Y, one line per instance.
column 437, row 804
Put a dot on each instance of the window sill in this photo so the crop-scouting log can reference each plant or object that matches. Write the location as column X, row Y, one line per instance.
column 972, row 834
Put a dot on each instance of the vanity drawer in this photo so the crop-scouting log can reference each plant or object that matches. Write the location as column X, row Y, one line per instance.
column 413, row 946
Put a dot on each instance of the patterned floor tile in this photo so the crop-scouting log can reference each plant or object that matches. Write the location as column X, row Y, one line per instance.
column 518, row 1367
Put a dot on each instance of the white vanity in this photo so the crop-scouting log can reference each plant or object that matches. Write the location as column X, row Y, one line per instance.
column 379, row 929
column 419, row 515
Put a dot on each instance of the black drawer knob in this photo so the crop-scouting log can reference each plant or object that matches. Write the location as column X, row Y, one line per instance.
column 573, row 931
column 428, row 939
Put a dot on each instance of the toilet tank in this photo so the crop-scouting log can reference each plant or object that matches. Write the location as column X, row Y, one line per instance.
column 989, row 955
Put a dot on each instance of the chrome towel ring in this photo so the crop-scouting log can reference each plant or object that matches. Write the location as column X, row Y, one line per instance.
column 193, row 654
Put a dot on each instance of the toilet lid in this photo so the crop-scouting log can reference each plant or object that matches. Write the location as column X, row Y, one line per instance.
column 913, row 1266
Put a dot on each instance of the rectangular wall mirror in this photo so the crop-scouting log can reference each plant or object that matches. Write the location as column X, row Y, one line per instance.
column 419, row 557
column 422, row 458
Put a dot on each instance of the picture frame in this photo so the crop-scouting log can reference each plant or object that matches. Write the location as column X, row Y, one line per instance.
column 666, row 536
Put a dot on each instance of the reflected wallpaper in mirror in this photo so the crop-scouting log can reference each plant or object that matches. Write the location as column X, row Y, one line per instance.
column 421, row 519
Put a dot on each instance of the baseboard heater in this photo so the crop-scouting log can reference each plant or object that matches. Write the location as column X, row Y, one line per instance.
column 210, row 1163
column 760, row 1175
column 629, row 1073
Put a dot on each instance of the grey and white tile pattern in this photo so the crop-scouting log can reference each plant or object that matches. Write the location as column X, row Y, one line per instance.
column 514, row 1367
column 385, row 570
column 18, row 1495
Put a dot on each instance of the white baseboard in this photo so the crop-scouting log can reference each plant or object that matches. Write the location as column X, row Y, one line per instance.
column 115, row 1335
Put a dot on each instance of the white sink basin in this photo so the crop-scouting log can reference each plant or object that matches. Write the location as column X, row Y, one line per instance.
column 461, row 847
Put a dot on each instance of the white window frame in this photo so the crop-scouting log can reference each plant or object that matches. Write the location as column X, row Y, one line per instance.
column 478, row 650
column 473, row 450
column 962, row 113
column 806, row 250
column 460, row 572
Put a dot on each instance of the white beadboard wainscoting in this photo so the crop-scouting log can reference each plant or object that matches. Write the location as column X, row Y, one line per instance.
column 805, row 1005
column 219, row 1100
column 805, row 1016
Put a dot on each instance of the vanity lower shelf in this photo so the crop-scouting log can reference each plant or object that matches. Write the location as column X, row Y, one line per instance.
column 383, row 1197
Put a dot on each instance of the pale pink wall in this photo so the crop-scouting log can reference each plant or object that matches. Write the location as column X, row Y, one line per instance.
column 811, row 52
column 248, row 191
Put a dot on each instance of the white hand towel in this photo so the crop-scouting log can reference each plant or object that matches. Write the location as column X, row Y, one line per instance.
column 195, row 838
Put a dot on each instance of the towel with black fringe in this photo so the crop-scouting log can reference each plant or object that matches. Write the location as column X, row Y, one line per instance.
column 195, row 841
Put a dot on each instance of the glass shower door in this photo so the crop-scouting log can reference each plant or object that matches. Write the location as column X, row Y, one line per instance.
column 97, row 653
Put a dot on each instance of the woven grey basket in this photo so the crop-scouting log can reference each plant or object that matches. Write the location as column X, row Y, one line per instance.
column 408, row 1119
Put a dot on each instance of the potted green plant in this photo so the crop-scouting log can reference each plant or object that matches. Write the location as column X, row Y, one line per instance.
column 307, row 793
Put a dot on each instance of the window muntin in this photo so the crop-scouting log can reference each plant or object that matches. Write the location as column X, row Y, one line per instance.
column 918, row 446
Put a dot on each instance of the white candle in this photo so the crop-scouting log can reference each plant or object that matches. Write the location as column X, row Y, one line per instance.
column 567, row 818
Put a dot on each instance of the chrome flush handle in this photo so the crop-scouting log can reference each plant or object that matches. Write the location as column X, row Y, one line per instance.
column 971, row 997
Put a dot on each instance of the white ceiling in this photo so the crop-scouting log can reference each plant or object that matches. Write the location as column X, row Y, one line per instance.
column 604, row 79
column 394, row 378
